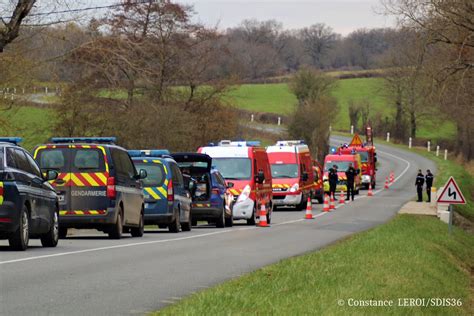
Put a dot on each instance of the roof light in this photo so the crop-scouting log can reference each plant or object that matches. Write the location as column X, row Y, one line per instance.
column 149, row 152
column 57, row 140
column 13, row 140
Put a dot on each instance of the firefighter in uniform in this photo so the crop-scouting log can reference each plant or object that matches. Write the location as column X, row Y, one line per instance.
column 350, row 174
column 420, row 180
column 429, row 183
column 333, row 178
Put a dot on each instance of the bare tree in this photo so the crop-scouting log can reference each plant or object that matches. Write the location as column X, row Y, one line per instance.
column 10, row 26
column 318, row 39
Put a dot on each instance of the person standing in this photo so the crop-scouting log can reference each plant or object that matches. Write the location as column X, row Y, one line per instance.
column 333, row 178
column 420, row 180
column 429, row 183
column 350, row 175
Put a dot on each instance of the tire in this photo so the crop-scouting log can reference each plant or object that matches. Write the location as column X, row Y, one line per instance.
column 175, row 226
column 269, row 215
column 138, row 231
column 302, row 205
column 253, row 219
column 50, row 239
column 162, row 226
column 62, row 232
column 220, row 221
column 320, row 200
column 20, row 238
column 117, row 229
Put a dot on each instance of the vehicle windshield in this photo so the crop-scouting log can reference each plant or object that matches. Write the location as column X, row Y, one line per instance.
column 233, row 168
column 156, row 175
column 364, row 156
column 342, row 166
column 284, row 171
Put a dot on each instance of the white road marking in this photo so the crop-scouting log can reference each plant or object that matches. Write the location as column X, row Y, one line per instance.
column 195, row 236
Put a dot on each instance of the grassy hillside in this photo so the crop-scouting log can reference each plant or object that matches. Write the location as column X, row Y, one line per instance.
column 33, row 124
column 395, row 260
column 277, row 98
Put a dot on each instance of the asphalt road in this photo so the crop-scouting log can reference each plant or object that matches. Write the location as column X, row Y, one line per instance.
column 91, row 275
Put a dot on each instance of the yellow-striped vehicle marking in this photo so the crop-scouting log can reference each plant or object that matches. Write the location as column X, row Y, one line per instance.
column 85, row 212
column 1, row 192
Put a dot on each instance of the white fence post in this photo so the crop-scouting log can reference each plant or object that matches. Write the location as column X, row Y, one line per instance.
column 445, row 154
column 352, row 129
column 46, row 90
column 388, row 137
column 330, row 128
column 251, row 118
column 437, row 150
column 428, row 146
column 410, row 142
column 279, row 120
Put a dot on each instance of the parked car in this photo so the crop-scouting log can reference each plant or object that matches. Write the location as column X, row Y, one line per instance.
column 167, row 196
column 209, row 194
column 98, row 186
column 28, row 203
column 245, row 164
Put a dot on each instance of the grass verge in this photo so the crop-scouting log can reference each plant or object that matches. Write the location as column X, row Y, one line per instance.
column 409, row 257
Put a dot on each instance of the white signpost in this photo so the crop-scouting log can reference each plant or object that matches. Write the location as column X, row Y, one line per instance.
column 451, row 194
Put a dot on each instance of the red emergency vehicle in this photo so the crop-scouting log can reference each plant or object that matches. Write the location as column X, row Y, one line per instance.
column 246, row 169
column 368, row 158
column 292, row 173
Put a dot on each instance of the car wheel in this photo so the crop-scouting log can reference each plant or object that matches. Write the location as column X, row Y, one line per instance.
column 62, row 232
column 220, row 222
column 162, row 226
column 117, row 229
column 20, row 238
column 138, row 231
column 252, row 220
column 50, row 239
column 175, row 227
column 186, row 227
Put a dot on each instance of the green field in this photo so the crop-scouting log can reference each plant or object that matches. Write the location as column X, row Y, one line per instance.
column 409, row 257
column 31, row 123
column 277, row 98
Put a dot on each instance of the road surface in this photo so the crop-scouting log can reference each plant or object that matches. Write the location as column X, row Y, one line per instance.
column 92, row 275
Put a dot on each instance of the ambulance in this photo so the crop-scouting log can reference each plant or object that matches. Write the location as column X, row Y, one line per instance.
column 246, row 169
column 292, row 173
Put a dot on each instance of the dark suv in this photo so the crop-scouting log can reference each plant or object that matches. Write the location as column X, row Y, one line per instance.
column 28, row 203
column 98, row 185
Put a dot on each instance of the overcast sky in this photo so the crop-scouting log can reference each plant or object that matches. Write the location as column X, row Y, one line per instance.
column 343, row 16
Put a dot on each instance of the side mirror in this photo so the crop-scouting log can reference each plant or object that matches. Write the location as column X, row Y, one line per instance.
column 50, row 175
column 142, row 174
column 304, row 176
column 260, row 177
column 230, row 185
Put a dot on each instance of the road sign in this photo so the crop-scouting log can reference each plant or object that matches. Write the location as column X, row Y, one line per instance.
column 451, row 193
column 356, row 141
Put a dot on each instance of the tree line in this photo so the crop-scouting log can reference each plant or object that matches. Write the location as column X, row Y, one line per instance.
column 148, row 59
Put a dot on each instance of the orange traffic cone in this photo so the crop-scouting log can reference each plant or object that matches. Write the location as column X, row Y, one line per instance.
column 326, row 203
column 331, row 205
column 309, row 210
column 370, row 193
column 386, row 183
column 342, row 198
column 263, row 217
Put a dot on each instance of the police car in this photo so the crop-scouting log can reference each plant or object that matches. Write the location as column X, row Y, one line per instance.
column 28, row 203
column 98, row 185
column 167, row 192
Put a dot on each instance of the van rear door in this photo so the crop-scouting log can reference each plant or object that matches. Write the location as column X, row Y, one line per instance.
column 57, row 158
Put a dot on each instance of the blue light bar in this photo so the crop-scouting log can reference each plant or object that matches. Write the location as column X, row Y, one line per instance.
column 149, row 153
column 12, row 140
column 57, row 140
column 254, row 143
